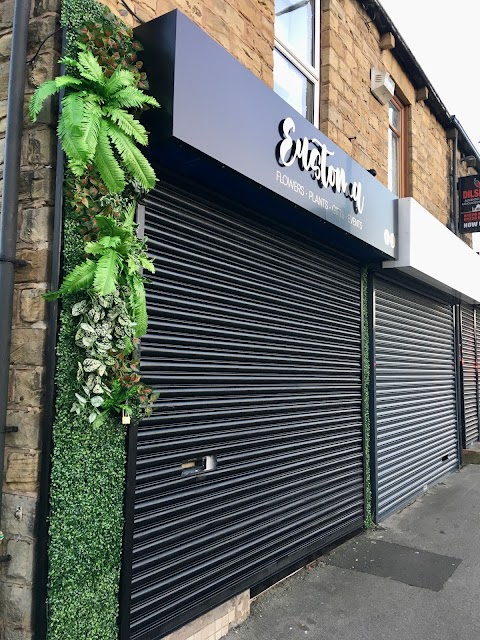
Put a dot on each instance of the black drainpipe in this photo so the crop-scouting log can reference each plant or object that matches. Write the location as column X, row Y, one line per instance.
column 452, row 134
column 8, row 217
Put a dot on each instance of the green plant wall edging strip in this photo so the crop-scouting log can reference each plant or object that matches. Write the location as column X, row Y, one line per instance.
column 366, row 397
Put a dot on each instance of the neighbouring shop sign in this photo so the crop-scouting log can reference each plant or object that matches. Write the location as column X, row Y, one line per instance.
column 213, row 105
column 469, row 191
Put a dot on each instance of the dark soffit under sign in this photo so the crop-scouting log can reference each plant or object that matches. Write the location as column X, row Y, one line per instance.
column 469, row 191
column 215, row 105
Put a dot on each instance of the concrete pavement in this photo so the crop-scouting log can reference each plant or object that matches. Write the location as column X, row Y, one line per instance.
column 417, row 577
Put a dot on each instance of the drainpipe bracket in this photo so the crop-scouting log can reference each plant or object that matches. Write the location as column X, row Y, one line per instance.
column 17, row 262
column 5, row 558
column 10, row 430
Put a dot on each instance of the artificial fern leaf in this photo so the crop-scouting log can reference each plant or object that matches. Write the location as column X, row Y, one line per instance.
column 133, row 159
column 120, row 78
column 128, row 124
column 130, row 217
column 51, row 295
column 106, row 274
column 106, row 225
column 92, row 116
column 109, row 241
column 68, row 61
column 72, row 110
column 147, row 264
column 80, row 278
column 131, row 97
column 89, row 67
column 69, row 130
column 77, row 167
column 94, row 248
column 46, row 89
column 132, row 266
column 138, row 305
column 107, row 165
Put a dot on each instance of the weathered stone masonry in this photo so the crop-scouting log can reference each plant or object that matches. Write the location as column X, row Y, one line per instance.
column 26, row 383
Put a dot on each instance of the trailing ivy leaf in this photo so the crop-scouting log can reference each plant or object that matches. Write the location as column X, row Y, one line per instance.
column 106, row 274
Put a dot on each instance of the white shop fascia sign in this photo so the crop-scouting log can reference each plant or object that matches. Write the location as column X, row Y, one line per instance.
column 429, row 252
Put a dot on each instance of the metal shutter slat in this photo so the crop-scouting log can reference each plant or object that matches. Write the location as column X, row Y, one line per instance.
column 415, row 435
column 470, row 374
column 254, row 343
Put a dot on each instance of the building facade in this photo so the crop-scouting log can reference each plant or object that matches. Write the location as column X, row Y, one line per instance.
column 264, row 384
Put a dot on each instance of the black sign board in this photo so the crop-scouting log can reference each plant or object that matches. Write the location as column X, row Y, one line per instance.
column 469, row 188
column 212, row 104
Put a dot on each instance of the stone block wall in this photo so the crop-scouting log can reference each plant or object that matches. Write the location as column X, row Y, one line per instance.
column 26, row 383
column 243, row 27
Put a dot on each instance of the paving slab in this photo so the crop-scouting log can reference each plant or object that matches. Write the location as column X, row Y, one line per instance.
column 416, row 577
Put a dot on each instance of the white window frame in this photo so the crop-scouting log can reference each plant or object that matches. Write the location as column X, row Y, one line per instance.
column 312, row 73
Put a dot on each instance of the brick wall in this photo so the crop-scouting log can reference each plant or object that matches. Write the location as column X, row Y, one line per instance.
column 29, row 320
column 358, row 123
column 242, row 27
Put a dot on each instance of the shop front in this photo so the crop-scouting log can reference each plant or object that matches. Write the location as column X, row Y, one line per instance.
column 417, row 354
column 253, row 460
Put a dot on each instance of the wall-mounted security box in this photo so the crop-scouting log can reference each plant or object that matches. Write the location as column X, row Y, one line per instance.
column 381, row 85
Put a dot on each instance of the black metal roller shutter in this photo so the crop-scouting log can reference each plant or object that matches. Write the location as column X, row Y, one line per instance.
column 254, row 345
column 469, row 370
column 415, row 399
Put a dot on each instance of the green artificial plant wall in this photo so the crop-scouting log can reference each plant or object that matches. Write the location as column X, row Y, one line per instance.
column 88, row 461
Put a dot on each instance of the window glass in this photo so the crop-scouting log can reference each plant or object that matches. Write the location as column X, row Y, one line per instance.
column 294, row 20
column 291, row 85
column 393, row 162
column 396, row 148
column 394, row 116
